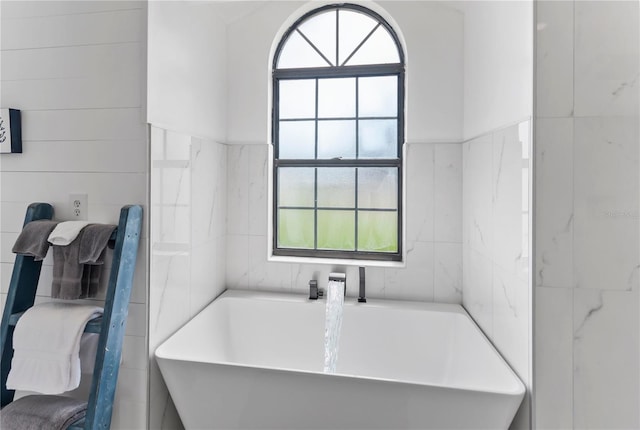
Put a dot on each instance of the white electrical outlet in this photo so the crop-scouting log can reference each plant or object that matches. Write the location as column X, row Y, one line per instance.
column 78, row 205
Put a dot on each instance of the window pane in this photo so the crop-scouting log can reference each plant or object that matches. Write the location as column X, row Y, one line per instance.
column 297, row 139
column 337, row 187
column 354, row 27
column 295, row 228
column 336, row 230
column 321, row 31
column 378, row 96
column 337, row 98
column 377, row 187
column 377, row 231
column 296, row 186
column 380, row 48
column 336, row 139
column 298, row 53
column 378, row 138
column 326, row 116
column 297, row 98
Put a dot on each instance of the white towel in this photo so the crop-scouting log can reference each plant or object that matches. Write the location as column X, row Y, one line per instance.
column 88, row 350
column 65, row 232
column 46, row 345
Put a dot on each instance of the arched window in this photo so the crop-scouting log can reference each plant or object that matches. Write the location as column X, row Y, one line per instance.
column 338, row 131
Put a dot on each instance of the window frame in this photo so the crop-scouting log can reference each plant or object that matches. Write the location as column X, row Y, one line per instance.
column 355, row 71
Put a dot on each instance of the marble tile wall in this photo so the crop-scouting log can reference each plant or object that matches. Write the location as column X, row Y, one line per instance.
column 495, row 231
column 433, row 221
column 188, row 244
column 586, row 345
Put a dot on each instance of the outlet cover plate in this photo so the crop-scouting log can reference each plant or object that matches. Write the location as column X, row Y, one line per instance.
column 79, row 207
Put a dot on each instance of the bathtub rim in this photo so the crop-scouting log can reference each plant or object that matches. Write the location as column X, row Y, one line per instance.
column 520, row 388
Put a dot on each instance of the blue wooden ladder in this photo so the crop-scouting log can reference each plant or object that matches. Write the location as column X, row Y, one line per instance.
column 111, row 326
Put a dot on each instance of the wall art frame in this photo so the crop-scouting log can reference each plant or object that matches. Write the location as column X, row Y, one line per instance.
column 10, row 131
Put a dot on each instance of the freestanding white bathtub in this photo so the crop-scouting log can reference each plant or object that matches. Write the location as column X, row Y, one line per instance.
column 255, row 360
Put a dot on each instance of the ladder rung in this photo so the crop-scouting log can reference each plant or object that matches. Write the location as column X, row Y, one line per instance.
column 93, row 326
column 22, row 292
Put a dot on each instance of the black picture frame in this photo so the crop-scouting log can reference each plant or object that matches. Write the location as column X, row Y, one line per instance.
column 10, row 131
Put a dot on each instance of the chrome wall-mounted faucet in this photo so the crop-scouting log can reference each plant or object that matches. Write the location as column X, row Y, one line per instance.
column 361, row 293
column 339, row 277
column 314, row 292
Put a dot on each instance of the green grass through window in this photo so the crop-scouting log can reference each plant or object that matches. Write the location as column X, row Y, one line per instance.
column 377, row 231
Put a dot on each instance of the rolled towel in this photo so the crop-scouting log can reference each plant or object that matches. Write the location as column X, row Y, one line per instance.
column 32, row 241
column 46, row 344
column 38, row 412
column 66, row 232
column 88, row 351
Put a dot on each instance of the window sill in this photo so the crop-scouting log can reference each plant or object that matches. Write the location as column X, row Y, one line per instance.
column 336, row 261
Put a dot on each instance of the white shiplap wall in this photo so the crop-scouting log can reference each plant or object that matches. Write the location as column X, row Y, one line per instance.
column 77, row 70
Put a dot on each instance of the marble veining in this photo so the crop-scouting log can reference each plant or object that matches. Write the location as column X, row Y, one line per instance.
column 591, row 311
column 505, row 291
column 606, row 58
column 478, row 229
column 453, row 278
column 547, row 255
column 448, row 278
column 632, row 281
column 210, row 203
column 213, row 222
column 605, row 359
column 495, row 243
column 238, row 189
column 625, row 86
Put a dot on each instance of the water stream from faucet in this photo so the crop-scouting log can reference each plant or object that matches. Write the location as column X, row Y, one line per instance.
column 333, row 324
